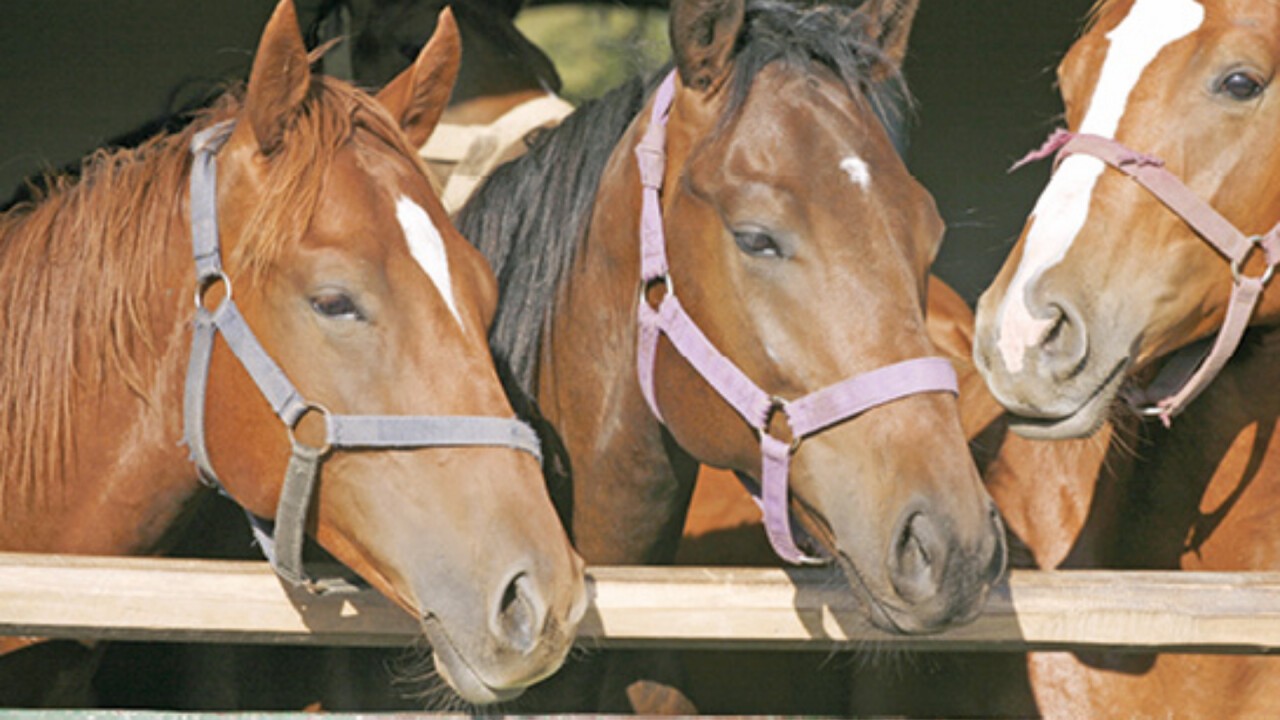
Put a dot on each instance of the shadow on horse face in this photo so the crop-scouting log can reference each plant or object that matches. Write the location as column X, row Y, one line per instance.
column 345, row 268
column 1106, row 279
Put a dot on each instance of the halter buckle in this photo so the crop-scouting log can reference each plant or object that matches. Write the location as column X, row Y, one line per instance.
column 1237, row 265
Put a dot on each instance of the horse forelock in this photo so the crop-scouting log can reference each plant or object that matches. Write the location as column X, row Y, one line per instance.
column 1095, row 12
column 83, row 271
column 831, row 36
column 297, row 171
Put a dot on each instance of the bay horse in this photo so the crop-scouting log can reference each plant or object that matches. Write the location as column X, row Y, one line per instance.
column 507, row 86
column 800, row 244
column 1143, row 243
column 349, row 281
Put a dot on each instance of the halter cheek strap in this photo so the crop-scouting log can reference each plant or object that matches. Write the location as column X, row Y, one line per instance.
column 807, row 415
column 1190, row 370
column 282, row 540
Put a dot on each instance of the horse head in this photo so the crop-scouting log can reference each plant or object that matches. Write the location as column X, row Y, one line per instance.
column 348, row 270
column 800, row 245
column 1131, row 251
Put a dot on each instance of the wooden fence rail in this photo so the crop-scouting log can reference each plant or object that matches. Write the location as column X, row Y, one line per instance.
column 214, row 601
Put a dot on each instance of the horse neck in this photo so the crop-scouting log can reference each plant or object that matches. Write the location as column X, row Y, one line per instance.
column 1055, row 495
column 1211, row 482
column 1199, row 495
column 120, row 477
column 631, row 484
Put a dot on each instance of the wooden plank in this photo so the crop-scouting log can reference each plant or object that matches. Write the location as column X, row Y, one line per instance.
column 212, row 601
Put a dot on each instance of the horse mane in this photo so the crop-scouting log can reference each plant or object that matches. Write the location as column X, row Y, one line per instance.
column 86, row 269
column 830, row 36
column 529, row 217
column 532, row 216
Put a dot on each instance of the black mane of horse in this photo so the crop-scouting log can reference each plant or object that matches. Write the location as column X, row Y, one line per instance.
column 532, row 215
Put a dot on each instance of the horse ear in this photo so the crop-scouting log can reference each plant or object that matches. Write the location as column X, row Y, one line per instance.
column 891, row 26
column 417, row 97
column 280, row 78
column 703, row 33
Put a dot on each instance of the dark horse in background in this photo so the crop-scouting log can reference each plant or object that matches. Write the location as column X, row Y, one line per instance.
column 507, row 86
column 800, row 245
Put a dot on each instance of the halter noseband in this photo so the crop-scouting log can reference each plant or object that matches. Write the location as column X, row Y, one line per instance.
column 282, row 540
column 805, row 416
column 1189, row 371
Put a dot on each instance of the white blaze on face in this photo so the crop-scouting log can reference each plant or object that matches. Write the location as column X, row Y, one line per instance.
column 427, row 247
column 857, row 170
column 1061, row 211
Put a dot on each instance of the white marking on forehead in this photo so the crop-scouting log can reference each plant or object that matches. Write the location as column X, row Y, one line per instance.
column 1063, row 207
column 857, row 170
column 427, row 247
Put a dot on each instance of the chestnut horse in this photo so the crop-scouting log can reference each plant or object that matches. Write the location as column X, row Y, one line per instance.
column 800, row 245
column 357, row 289
column 1081, row 305
column 1131, row 253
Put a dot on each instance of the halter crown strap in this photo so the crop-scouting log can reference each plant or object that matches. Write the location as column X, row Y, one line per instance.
column 282, row 540
column 807, row 415
column 1190, row 370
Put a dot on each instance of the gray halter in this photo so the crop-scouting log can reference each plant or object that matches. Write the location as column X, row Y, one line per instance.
column 282, row 540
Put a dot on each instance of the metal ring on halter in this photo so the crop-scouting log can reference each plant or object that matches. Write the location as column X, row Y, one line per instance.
column 205, row 283
column 646, row 284
column 1150, row 411
column 1237, row 265
column 328, row 424
column 779, row 405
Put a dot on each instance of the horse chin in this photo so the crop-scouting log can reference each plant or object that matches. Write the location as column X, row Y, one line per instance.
column 458, row 673
column 1082, row 422
column 882, row 615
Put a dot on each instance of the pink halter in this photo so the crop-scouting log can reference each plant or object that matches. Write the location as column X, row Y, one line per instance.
column 807, row 415
column 1190, row 370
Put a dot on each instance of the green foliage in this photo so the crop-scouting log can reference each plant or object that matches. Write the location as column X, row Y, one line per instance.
column 596, row 48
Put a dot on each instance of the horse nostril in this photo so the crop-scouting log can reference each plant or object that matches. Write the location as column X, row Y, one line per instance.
column 918, row 559
column 520, row 614
column 1064, row 345
column 1000, row 553
column 1055, row 331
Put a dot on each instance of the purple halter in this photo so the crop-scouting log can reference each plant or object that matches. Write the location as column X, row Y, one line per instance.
column 807, row 415
column 1190, row 370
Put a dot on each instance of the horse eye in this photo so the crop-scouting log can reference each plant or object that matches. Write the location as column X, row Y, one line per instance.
column 336, row 305
column 758, row 244
column 1241, row 86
